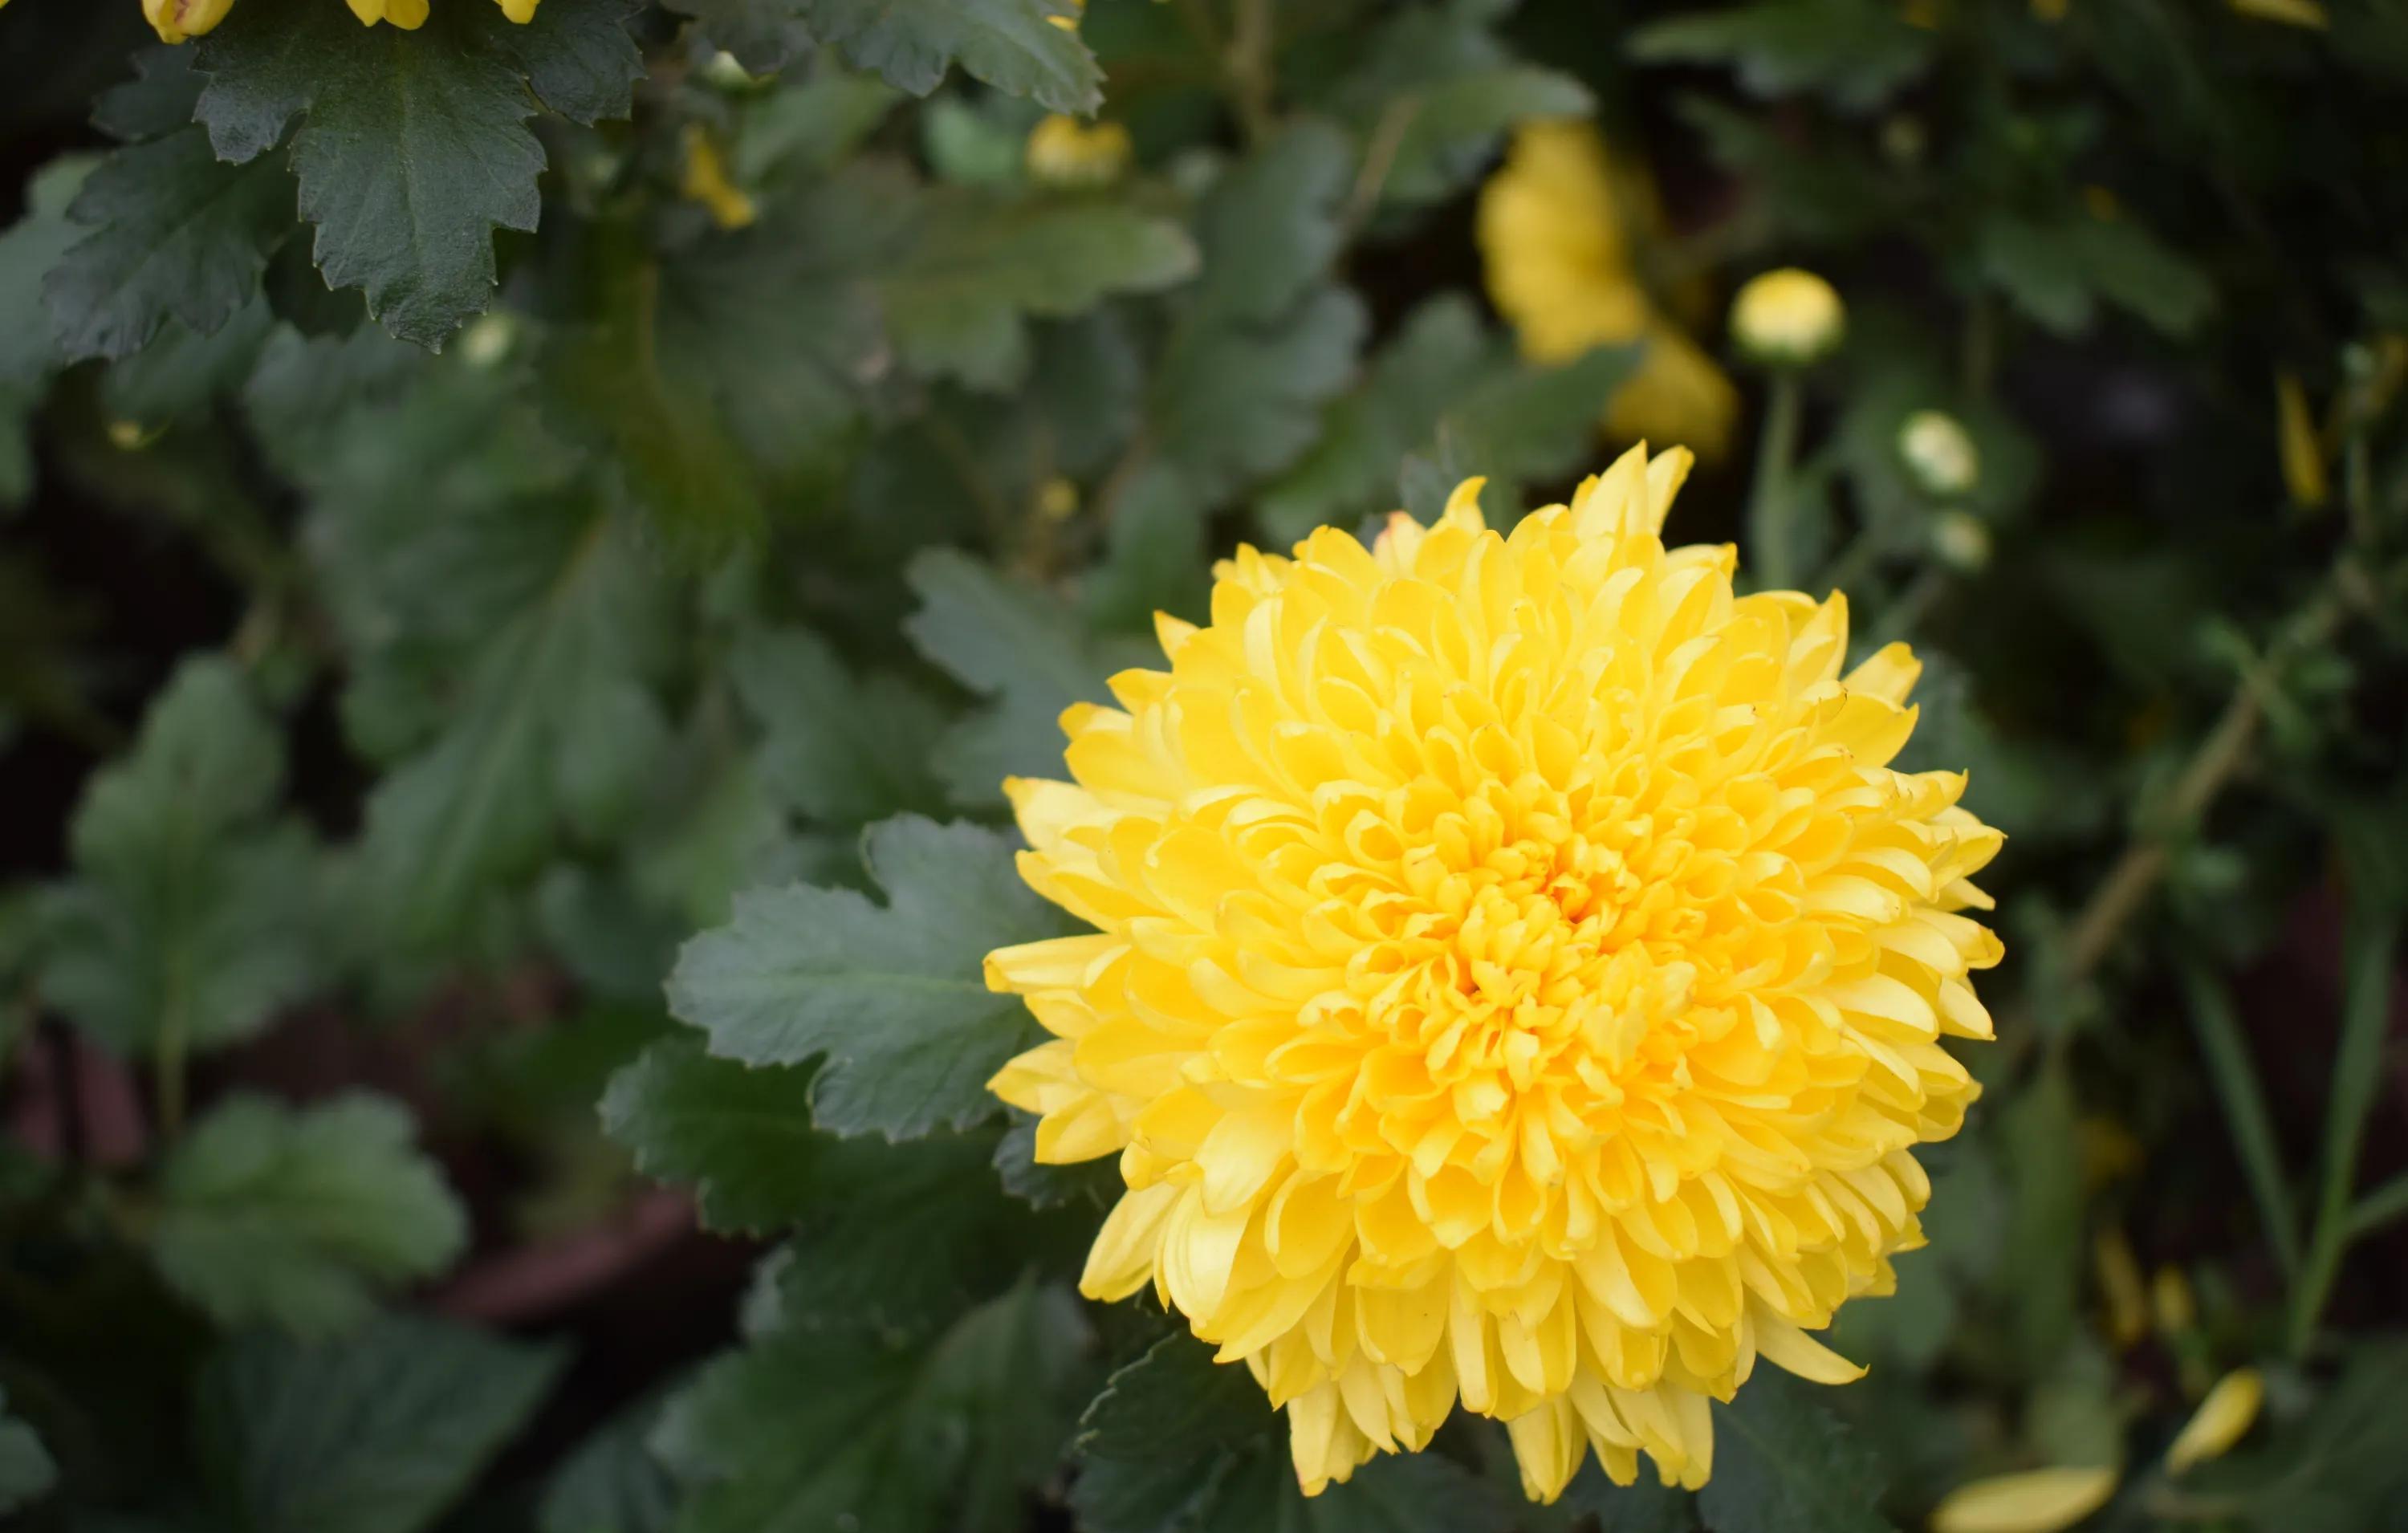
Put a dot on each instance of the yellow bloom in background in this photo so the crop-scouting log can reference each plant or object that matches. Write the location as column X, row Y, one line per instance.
column 2223, row 1418
column 1065, row 151
column 2300, row 13
column 1789, row 317
column 706, row 180
column 1557, row 226
column 2041, row 1502
column 2295, row 435
column 1518, row 978
column 176, row 21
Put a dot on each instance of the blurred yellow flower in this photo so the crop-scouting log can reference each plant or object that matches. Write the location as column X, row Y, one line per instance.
column 1788, row 318
column 2295, row 435
column 2170, row 1295
column 1558, row 225
column 176, row 21
column 1065, row 151
column 706, row 180
column 1518, row 978
column 1939, row 452
column 2120, row 1285
column 2040, row 1502
column 2302, row 13
column 2223, row 1418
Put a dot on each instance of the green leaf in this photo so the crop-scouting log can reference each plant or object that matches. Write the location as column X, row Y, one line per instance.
column 843, row 750
column 1012, row 44
column 1018, row 648
column 1153, row 553
column 2337, row 1468
column 1270, row 227
column 376, row 1432
column 28, row 355
column 26, row 1471
column 554, row 730
column 1237, row 403
column 1177, row 1443
column 975, row 267
column 157, row 101
column 176, row 235
column 741, row 1134
column 1648, row 1506
column 814, row 1428
column 891, row 997
column 1091, row 1184
column 413, row 146
column 180, row 374
column 1524, row 423
column 1785, row 1463
column 266, row 1213
column 2058, row 270
column 188, row 923
column 611, row 1484
column 1440, row 351
column 1856, row 52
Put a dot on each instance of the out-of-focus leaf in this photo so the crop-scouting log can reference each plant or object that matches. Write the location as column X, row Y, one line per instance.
column 28, row 355
column 844, row 750
column 891, row 997
column 1153, row 553
column 1018, row 648
column 1239, row 403
column 269, row 1214
column 2339, row 1468
column 612, row 1484
column 2058, row 271
column 1177, row 1443
column 26, row 1471
column 818, row 1427
column 1856, row 52
column 181, row 374
column 974, row 269
column 175, row 235
column 1012, row 44
column 190, row 920
column 156, row 101
column 2040, row 1276
column 373, row 1432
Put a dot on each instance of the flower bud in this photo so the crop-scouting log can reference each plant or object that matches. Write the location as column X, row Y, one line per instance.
column 1960, row 541
column 1065, row 151
column 489, row 339
column 177, row 20
column 1939, row 452
column 1788, row 318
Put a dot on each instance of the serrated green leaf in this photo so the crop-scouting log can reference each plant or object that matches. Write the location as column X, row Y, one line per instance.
column 891, row 997
column 189, row 922
column 1177, row 1443
column 1524, row 421
column 1012, row 44
column 1018, row 648
column 413, row 146
column 2056, row 271
column 741, row 1134
column 845, row 751
column 763, row 35
column 815, row 1428
column 1237, row 403
column 295, row 1216
column 1153, row 553
column 1785, row 1463
column 176, row 235
column 1441, row 350
column 1856, row 52
column 975, row 268
column 1269, row 228
column 374, row 1432
column 26, row 1471
column 157, row 101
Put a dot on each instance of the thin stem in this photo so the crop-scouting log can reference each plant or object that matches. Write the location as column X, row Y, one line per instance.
column 1768, row 503
column 1981, row 356
column 1379, row 159
column 1250, row 67
column 1913, row 605
column 2368, row 940
column 2244, row 1099
column 2380, row 1206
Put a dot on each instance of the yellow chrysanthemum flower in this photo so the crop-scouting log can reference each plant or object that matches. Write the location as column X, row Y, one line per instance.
column 1556, row 232
column 176, row 21
column 1518, row 978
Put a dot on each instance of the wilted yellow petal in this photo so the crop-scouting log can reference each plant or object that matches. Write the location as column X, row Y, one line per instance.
column 2040, row 1502
column 2222, row 1420
column 2303, row 455
column 705, row 181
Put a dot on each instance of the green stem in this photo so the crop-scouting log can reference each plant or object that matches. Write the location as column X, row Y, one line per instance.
column 2244, row 1099
column 2368, row 941
column 1768, row 503
column 1913, row 605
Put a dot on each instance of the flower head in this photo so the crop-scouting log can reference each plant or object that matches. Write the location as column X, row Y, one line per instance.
column 1558, row 230
column 1940, row 452
column 1065, row 151
column 1788, row 318
column 1518, row 978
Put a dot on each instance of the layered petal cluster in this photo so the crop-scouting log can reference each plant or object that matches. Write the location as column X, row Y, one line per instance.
column 1564, row 230
column 1518, row 978
column 176, row 21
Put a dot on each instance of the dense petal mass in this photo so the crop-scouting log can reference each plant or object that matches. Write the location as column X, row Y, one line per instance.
column 1518, row 978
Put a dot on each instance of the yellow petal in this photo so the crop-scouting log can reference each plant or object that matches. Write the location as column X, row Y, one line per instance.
column 2222, row 1420
column 2039, row 1501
